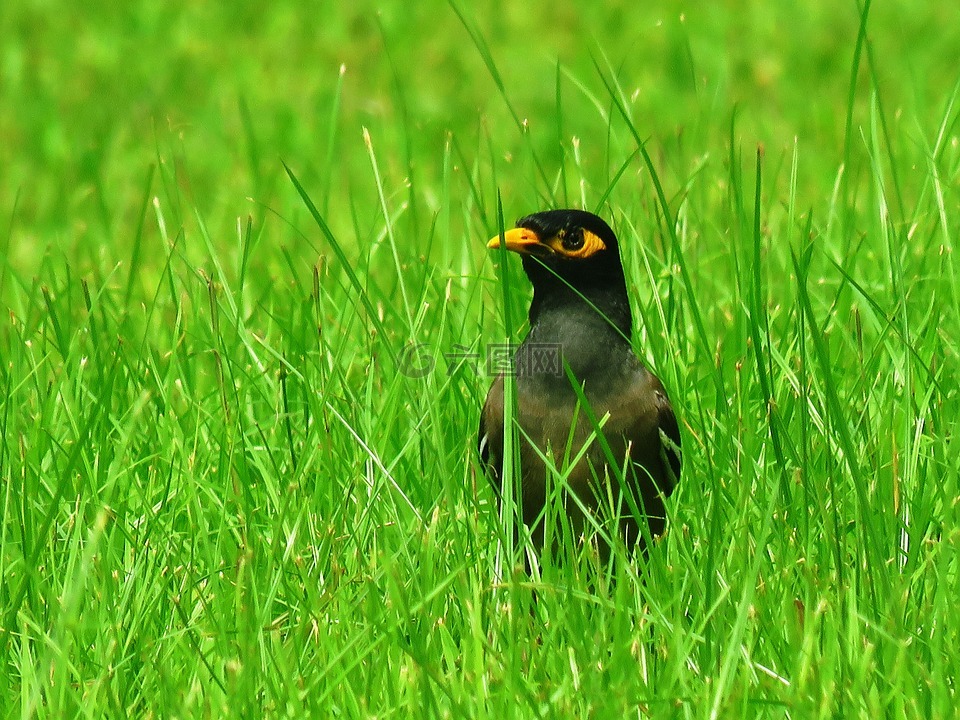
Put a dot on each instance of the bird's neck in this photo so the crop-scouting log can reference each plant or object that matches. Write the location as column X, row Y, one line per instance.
column 604, row 310
column 590, row 333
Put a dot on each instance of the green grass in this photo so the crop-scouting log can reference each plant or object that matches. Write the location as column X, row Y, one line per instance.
column 229, row 236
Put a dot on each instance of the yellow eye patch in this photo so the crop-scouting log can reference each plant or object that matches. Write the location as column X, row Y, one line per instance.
column 577, row 244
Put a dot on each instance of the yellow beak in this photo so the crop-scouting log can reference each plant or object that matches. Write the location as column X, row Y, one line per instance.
column 521, row 240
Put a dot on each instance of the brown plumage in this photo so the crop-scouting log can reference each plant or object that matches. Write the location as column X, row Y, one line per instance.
column 580, row 312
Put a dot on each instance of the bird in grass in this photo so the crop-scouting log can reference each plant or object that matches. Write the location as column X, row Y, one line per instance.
column 580, row 322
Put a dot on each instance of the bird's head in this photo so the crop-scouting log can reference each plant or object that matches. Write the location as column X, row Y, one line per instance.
column 565, row 247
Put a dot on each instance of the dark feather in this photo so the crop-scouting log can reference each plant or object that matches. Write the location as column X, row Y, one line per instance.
column 581, row 309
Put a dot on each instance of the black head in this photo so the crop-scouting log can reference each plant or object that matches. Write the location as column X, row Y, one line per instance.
column 573, row 262
column 571, row 247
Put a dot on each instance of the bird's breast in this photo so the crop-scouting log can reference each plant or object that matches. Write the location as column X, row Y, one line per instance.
column 553, row 418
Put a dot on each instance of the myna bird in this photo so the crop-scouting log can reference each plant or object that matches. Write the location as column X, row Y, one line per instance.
column 581, row 314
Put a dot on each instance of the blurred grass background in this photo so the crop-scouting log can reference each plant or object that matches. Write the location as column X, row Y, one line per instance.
column 221, row 495
column 93, row 99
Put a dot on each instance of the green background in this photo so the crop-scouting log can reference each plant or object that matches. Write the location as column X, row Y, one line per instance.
column 224, row 493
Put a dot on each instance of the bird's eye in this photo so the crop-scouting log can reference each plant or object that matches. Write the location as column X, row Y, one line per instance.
column 572, row 241
column 576, row 244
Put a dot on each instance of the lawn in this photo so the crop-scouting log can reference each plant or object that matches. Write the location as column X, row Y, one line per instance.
column 247, row 307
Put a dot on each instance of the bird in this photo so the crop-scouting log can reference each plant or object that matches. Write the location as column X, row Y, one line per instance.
column 580, row 325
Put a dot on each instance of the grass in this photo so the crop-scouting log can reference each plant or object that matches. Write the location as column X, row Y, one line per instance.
column 247, row 308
